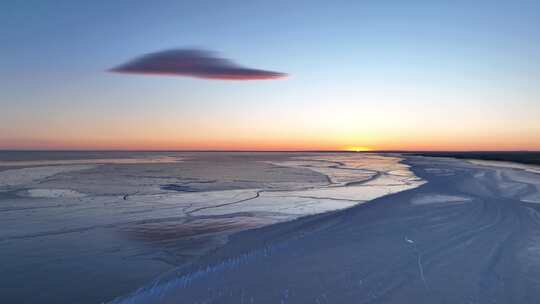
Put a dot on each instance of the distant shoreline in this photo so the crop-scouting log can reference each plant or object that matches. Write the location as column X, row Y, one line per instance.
column 522, row 157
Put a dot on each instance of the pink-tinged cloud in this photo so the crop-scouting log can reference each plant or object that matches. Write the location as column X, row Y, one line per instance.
column 193, row 63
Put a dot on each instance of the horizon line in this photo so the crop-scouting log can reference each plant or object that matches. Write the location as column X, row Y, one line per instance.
column 266, row 151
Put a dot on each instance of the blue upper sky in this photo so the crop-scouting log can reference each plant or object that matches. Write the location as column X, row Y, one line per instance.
column 376, row 74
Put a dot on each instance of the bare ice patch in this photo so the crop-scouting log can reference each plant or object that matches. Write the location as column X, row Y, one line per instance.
column 96, row 161
column 440, row 171
column 51, row 193
column 424, row 199
column 18, row 177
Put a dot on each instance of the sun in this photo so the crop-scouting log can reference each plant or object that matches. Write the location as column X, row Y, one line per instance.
column 358, row 149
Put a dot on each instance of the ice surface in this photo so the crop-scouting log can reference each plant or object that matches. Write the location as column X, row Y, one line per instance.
column 139, row 160
column 25, row 176
column 51, row 193
column 92, row 220
column 503, row 164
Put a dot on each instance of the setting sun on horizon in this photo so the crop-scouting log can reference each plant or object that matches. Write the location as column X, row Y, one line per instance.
column 358, row 149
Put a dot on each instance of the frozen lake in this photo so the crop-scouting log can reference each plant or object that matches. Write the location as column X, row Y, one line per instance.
column 87, row 227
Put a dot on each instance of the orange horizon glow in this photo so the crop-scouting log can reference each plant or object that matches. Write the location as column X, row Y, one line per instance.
column 282, row 135
column 232, row 145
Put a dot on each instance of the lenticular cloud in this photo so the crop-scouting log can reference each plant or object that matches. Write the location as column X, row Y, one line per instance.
column 193, row 63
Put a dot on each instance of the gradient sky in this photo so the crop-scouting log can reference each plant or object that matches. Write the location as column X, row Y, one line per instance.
column 430, row 75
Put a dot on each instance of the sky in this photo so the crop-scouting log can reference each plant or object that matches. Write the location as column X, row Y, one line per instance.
column 336, row 75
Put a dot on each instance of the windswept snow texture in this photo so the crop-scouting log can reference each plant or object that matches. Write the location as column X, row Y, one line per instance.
column 90, row 228
column 430, row 198
column 471, row 234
